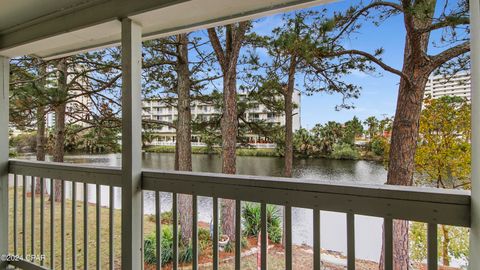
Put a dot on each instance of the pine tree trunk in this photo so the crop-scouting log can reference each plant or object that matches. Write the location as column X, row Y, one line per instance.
column 228, row 58
column 40, row 142
column 60, row 111
column 229, row 142
column 288, row 92
column 402, row 151
column 229, row 123
column 183, row 147
column 400, row 246
column 417, row 68
column 40, row 124
column 445, row 244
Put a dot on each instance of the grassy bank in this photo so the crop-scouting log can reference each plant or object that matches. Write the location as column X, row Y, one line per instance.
column 360, row 154
column 253, row 152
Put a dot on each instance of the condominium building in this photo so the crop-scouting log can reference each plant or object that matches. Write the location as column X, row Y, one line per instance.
column 456, row 85
column 156, row 109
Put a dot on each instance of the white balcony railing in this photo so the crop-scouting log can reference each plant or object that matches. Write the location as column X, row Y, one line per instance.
column 432, row 206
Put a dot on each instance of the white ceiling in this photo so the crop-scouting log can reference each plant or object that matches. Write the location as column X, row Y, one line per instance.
column 21, row 19
column 16, row 12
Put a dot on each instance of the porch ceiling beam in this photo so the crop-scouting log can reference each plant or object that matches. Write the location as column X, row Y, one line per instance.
column 78, row 17
column 81, row 30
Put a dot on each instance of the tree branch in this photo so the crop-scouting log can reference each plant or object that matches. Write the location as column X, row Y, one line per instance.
column 373, row 59
column 449, row 21
column 217, row 47
column 449, row 54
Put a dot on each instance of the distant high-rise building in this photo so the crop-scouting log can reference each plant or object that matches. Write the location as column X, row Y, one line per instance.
column 77, row 111
column 456, row 85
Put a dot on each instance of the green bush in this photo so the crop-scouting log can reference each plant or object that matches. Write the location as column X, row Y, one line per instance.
column 252, row 221
column 166, row 217
column 150, row 246
column 25, row 142
column 12, row 154
column 185, row 252
column 457, row 246
column 344, row 151
column 378, row 145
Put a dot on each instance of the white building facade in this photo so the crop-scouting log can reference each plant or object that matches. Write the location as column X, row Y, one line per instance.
column 156, row 109
column 77, row 111
column 457, row 85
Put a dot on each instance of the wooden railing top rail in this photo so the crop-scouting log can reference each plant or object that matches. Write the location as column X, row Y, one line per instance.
column 430, row 205
column 438, row 206
column 101, row 175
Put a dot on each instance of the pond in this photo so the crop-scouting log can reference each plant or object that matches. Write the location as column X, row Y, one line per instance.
column 333, row 225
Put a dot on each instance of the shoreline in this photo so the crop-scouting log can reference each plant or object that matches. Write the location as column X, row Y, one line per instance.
column 259, row 152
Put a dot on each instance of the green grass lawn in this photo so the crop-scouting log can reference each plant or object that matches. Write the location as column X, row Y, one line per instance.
column 149, row 227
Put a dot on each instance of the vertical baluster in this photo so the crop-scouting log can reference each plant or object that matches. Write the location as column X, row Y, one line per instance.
column 15, row 232
column 388, row 240
column 238, row 234
column 142, row 226
column 32, row 221
column 111, row 224
column 316, row 240
column 42, row 219
column 62, row 226
column 215, row 233
column 432, row 247
column 194, row 232
column 288, row 238
column 351, row 241
column 99, row 194
column 85, row 226
column 158, row 229
column 74, row 224
column 264, row 236
column 24, row 217
column 52, row 223
column 175, row 231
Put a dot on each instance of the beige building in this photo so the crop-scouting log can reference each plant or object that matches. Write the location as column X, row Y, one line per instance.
column 457, row 85
column 156, row 109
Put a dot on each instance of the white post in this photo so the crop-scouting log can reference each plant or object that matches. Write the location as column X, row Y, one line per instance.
column 132, row 245
column 475, row 79
column 4, row 150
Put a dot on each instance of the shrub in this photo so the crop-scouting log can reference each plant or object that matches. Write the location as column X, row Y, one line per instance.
column 344, row 151
column 185, row 252
column 252, row 221
column 378, row 145
column 25, row 142
column 166, row 217
column 12, row 154
column 229, row 247
column 150, row 246
column 204, row 238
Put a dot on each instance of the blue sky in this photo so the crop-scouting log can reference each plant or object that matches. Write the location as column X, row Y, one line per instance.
column 379, row 93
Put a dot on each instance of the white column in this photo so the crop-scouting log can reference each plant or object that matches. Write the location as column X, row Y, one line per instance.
column 4, row 150
column 475, row 73
column 131, row 146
